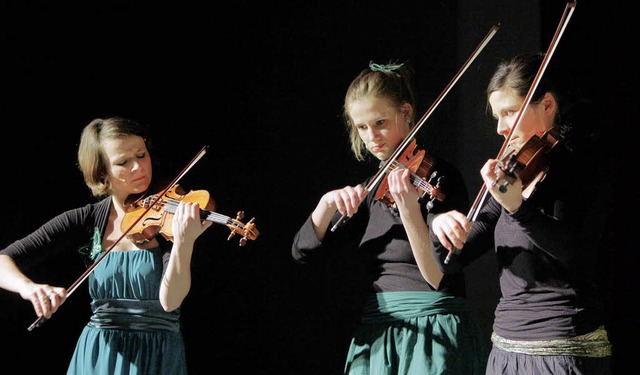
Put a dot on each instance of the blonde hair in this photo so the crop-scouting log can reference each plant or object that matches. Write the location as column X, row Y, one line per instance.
column 391, row 81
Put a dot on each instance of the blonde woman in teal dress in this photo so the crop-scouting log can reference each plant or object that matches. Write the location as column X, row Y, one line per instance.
column 137, row 289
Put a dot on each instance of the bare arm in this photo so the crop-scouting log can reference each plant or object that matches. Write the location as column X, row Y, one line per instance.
column 187, row 226
column 406, row 199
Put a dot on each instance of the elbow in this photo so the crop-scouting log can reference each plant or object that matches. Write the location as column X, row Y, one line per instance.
column 168, row 306
column 299, row 258
column 301, row 255
column 435, row 281
column 171, row 302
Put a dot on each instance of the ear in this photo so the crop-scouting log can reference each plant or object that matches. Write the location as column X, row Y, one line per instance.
column 406, row 110
column 549, row 103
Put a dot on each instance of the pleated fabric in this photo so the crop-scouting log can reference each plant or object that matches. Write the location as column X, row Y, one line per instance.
column 411, row 333
column 129, row 332
column 502, row 362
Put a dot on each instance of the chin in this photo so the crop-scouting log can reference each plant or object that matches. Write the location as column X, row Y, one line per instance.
column 141, row 188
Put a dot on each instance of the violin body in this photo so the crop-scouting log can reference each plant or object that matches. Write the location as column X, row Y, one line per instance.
column 153, row 215
column 421, row 165
column 530, row 163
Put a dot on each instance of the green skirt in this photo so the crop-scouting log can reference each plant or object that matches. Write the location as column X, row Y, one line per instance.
column 407, row 333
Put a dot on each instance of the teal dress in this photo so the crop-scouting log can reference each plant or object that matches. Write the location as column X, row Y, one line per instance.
column 129, row 332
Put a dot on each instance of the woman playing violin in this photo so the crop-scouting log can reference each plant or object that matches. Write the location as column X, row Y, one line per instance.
column 415, row 318
column 137, row 289
column 550, row 317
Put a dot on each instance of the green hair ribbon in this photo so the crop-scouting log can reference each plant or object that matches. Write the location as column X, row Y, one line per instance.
column 384, row 68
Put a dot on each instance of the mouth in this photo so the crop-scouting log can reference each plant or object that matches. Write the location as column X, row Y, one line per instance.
column 514, row 143
column 377, row 148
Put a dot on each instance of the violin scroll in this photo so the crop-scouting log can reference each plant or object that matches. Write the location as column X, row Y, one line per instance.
column 248, row 231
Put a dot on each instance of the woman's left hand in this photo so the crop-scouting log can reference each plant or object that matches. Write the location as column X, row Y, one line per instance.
column 511, row 197
column 402, row 190
column 187, row 224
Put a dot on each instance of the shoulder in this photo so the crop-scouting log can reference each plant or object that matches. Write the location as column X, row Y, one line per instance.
column 91, row 214
column 583, row 153
column 92, row 210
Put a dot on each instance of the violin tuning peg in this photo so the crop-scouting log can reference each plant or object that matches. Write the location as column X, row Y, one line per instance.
column 430, row 205
column 240, row 215
column 231, row 235
column 503, row 187
column 433, row 176
column 243, row 241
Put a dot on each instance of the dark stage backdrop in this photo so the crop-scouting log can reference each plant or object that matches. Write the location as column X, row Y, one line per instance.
column 262, row 85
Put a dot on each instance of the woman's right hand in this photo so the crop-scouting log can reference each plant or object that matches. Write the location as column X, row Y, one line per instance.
column 345, row 200
column 451, row 228
column 45, row 298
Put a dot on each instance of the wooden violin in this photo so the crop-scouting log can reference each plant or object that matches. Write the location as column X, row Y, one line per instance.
column 530, row 163
column 421, row 165
column 153, row 215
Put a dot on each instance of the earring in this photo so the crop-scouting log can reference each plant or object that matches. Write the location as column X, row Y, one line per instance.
column 408, row 121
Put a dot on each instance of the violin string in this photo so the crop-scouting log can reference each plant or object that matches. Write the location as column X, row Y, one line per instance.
column 172, row 205
column 416, row 180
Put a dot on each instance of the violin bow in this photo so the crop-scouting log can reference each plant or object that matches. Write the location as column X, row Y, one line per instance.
column 400, row 149
column 72, row 288
column 482, row 195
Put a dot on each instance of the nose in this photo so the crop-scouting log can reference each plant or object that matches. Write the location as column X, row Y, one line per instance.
column 136, row 166
column 372, row 132
column 502, row 127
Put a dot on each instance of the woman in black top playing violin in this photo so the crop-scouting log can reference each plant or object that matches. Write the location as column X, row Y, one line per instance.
column 548, row 240
column 415, row 318
column 138, row 288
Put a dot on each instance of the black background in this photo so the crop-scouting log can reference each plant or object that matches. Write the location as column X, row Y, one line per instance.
column 262, row 85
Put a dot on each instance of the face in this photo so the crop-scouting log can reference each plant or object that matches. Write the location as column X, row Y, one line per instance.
column 128, row 165
column 538, row 118
column 381, row 125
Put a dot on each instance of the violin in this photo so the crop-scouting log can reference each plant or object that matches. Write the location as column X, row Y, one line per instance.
column 530, row 163
column 421, row 164
column 153, row 215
